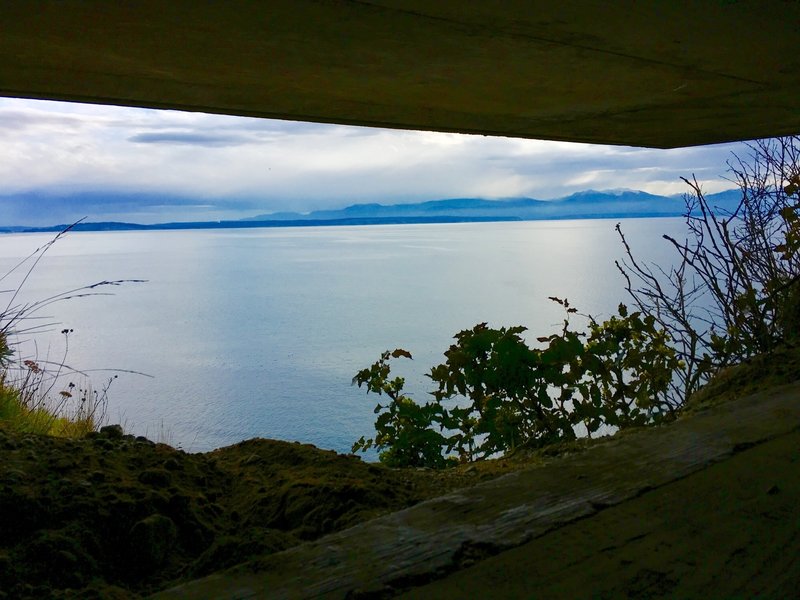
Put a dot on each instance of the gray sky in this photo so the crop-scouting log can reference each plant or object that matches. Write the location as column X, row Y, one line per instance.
column 152, row 166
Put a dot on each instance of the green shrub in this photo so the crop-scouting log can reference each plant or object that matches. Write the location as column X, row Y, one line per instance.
column 405, row 430
column 494, row 393
column 733, row 294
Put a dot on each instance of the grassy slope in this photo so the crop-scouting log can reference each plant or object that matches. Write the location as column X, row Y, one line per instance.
column 123, row 517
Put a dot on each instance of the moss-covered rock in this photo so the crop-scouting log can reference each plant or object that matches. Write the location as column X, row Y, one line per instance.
column 111, row 515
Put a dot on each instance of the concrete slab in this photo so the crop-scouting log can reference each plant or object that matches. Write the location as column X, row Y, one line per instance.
column 731, row 530
column 435, row 539
column 660, row 74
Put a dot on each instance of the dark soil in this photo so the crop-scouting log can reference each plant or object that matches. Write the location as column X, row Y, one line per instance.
column 113, row 516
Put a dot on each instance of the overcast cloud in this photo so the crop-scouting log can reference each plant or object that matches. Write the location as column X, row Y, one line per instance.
column 194, row 166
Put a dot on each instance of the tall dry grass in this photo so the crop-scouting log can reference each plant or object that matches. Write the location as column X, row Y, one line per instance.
column 40, row 395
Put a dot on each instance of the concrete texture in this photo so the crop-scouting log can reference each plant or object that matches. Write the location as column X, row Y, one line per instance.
column 729, row 531
column 659, row 74
column 707, row 505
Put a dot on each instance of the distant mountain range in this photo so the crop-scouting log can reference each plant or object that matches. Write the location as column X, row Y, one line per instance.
column 590, row 204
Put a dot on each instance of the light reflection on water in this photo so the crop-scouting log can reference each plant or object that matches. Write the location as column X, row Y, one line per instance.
column 257, row 333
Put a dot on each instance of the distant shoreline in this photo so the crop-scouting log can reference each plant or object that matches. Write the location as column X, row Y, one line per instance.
column 116, row 226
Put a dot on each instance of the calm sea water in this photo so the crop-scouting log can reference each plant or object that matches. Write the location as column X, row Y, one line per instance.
column 258, row 333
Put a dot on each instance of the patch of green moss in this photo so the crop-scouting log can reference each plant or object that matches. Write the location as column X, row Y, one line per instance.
column 761, row 372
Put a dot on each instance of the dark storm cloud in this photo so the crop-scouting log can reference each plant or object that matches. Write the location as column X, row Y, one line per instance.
column 190, row 139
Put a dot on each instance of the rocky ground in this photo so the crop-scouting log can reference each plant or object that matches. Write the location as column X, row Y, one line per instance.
column 113, row 516
column 118, row 517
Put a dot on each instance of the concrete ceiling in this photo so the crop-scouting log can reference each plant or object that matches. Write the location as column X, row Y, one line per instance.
column 660, row 73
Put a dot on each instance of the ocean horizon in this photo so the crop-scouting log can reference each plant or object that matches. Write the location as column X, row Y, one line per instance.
column 258, row 332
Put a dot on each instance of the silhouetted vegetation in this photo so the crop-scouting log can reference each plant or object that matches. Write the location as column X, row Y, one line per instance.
column 495, row 393
column 44, row 395
column 733, row 293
